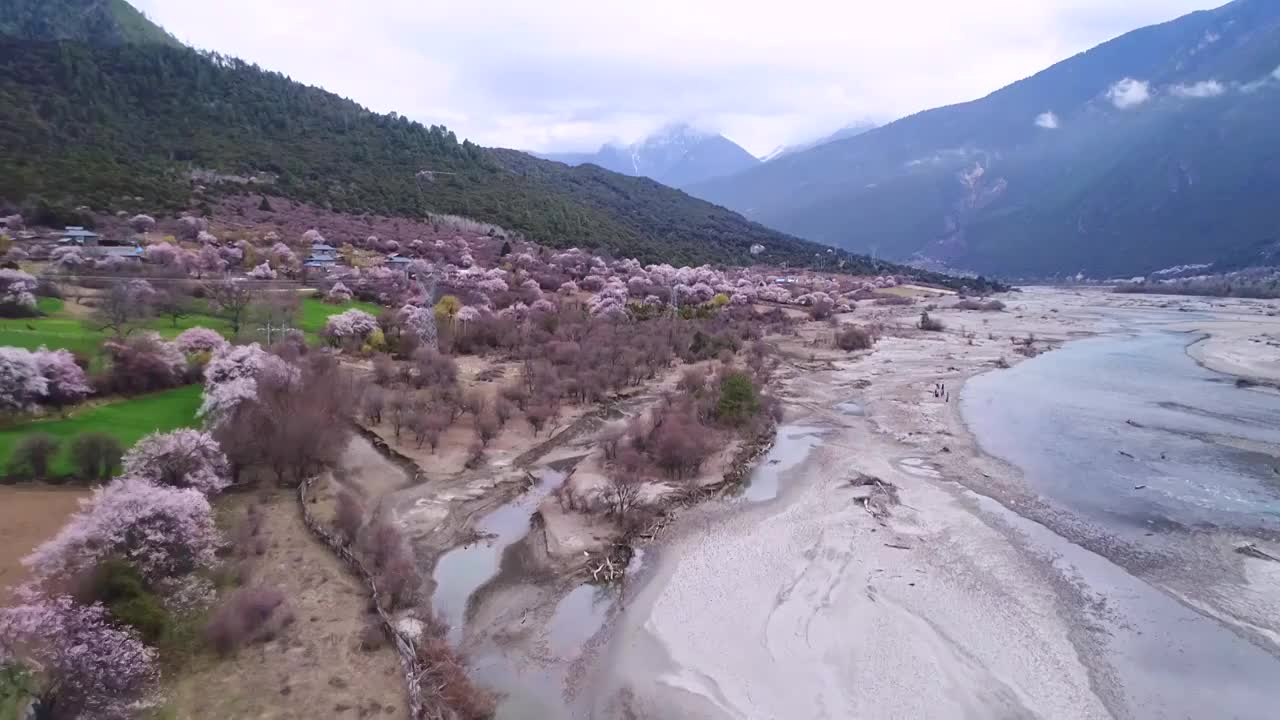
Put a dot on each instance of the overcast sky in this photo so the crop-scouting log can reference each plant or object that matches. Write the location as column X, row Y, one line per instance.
column 571, row 74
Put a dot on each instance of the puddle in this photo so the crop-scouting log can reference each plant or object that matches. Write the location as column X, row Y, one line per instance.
column 792, row 446
column 462, row 570
column 852, row 408
column 918, row 467
column 578, row 616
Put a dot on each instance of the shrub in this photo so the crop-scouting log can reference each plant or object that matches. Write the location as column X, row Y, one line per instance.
column 821, row 309
column 33, row 454
column 96, row 455
column 123, row 591
column 680, row 444
column 930, row 324
column 693, row 380
column 249, row 615
column 988, row 306
column 144, row 363
column 348, row 515
column 850, row 338
column 445, row 680
column 738, row 399
column 447, row 308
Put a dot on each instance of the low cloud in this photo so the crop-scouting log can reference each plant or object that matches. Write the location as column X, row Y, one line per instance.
column 1276, row 73
column 1129, row 93
column 571, row 74
column 1202, row 89
column 1047, row 120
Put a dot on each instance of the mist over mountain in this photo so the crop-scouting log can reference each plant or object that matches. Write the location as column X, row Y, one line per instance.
column 851, row 130
column 677, row 155
column 1155, row 149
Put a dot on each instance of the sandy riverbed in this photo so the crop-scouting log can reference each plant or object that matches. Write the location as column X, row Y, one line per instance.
column 956, row 605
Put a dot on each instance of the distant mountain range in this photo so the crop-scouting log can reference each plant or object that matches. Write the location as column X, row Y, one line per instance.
column 677, row 156
column 1158, row 148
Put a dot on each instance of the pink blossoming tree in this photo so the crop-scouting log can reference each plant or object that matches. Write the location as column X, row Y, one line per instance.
column 200, row 339
column 165, row 532
column 89, row 667
column 22, row 384
column 65, row 380
column 182, row 459
column 348, row 325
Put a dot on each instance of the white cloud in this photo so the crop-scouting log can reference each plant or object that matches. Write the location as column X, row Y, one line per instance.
column 1202, row 89
column 1129, row 93
column 1047, row 120
column 571, row 74
column 1276, row 73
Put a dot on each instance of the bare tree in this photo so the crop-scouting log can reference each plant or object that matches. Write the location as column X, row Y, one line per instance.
column 503, row 409
column 398, row 408
column 232, row 300
column 486, row 427
column 174, row 302
column 372, row 404
column 124, row 306
column 475, row 402
column 298, row 425
column 623, row 492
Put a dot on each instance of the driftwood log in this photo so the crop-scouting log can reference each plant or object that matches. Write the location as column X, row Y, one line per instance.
column 876, row 495
column 1253, row 551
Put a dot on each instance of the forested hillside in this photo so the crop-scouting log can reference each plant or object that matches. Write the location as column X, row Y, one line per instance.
column 124, row 125
column 106, row 22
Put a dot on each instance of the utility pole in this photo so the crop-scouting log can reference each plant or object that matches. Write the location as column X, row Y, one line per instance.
column 269, row 329
column 427, row 285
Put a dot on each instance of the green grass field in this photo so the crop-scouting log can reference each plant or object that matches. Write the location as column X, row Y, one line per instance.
column 58, row 328
column 128, row 420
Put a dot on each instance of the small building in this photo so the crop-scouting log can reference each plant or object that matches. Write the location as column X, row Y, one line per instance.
column 399, row 262
column 77, row 235
column 124, row 252
column 322, row 257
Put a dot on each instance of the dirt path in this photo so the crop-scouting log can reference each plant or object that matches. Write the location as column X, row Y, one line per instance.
column 29, row 515
column 316, row 669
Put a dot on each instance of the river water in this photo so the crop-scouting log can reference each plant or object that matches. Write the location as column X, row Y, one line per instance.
column 1127, row 431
